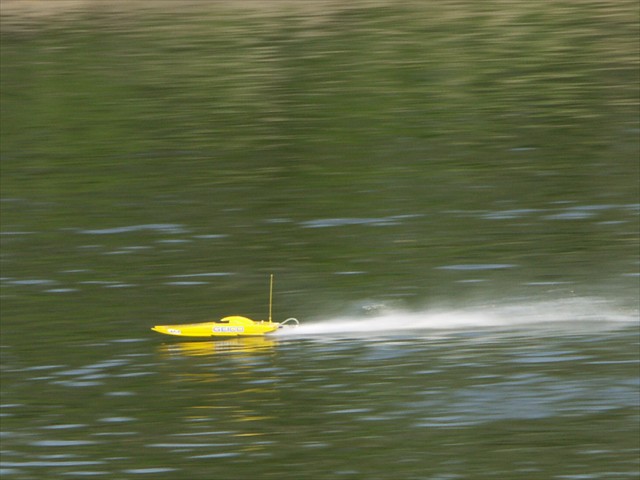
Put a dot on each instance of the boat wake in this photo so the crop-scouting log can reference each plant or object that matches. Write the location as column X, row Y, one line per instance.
column 575, row 315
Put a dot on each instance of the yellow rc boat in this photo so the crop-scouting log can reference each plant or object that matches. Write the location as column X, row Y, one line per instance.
column 232, row 326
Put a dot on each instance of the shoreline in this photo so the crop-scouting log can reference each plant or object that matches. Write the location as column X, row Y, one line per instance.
column 35, row 9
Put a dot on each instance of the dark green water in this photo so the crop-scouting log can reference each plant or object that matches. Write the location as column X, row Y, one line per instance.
column 447, row 193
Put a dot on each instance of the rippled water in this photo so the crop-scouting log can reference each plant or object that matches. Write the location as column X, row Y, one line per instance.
column 446, row 193
column 449, row 394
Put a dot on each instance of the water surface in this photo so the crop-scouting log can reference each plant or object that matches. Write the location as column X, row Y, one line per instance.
column 448, row 198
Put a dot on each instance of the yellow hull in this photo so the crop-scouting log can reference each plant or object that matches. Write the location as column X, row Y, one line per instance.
column 227, row 327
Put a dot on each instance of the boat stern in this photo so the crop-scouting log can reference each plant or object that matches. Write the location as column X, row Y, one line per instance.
column 245, row 326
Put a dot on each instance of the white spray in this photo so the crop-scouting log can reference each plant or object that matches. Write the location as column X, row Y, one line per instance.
column 572, row 315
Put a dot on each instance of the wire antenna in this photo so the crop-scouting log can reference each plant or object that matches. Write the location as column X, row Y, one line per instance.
column 270, row 297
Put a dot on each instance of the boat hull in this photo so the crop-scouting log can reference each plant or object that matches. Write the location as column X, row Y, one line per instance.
column 234, row 326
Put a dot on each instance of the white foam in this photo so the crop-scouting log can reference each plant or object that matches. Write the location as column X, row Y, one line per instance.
column 575, row 314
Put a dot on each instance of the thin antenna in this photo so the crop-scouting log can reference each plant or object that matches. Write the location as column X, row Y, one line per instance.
column 270, row 296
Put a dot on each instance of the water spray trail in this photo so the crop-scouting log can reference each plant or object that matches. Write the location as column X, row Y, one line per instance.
column 574, row 315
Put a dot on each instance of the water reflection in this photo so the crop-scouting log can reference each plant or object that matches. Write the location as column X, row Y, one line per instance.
column 243, row 346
